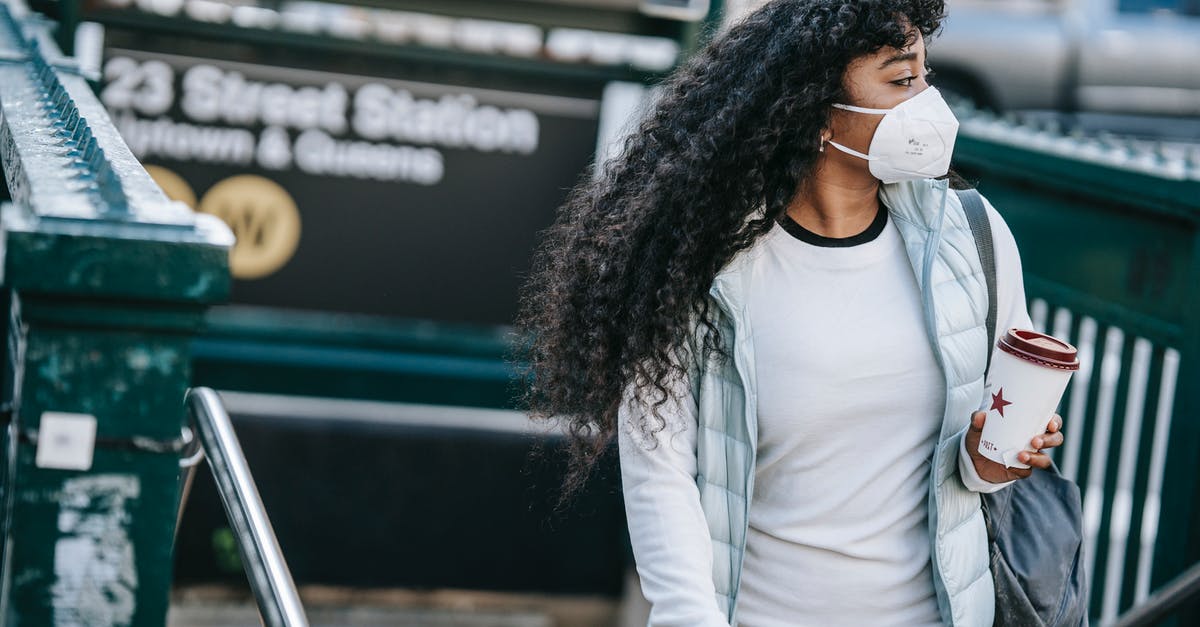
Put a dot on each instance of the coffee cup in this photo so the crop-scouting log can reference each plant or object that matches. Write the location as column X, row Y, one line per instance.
column 1028, row 375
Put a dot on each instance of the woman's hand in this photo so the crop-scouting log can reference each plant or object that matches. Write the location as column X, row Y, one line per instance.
column 996, row 472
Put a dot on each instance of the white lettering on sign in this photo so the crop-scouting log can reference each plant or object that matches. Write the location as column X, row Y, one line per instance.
column 224, row 111
column 185, row 142
column 148, row 88
column 455, row 121
column 211, row 94
column 318, row 153
column 274, row 149
column 95, row 577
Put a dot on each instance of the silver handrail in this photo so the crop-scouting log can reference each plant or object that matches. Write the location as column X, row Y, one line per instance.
column 278, row 602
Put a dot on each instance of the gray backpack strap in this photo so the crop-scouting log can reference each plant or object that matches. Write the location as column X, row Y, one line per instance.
column 981, row 228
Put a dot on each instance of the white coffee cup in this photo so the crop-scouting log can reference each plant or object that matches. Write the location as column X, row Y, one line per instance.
column 1028, row 375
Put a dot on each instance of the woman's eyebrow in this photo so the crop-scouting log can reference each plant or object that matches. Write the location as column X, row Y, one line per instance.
column 903, row 56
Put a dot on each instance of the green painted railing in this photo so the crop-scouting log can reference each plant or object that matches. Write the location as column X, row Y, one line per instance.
column 105, row 281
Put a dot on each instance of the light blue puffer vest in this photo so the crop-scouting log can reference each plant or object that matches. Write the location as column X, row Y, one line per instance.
column 942, row 250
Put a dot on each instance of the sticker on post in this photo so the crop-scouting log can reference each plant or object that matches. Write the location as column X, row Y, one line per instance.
column 66, row 441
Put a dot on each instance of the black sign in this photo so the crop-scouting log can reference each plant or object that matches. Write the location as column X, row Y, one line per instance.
column 354, row 193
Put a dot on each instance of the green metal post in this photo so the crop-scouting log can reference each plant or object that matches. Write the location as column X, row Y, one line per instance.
column 1178, row 537
column 105, row 282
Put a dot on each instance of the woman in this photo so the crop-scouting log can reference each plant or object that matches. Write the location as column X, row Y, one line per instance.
column 787, row 341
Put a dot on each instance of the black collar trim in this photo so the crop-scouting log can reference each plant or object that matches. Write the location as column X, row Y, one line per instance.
column 876, row 227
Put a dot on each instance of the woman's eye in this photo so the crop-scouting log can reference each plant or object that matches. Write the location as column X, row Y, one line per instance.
column 907, row 82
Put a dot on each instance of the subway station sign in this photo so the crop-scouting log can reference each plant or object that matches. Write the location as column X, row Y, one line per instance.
column 357, row 193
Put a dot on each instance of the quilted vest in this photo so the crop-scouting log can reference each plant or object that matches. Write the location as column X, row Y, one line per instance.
column 954, row 296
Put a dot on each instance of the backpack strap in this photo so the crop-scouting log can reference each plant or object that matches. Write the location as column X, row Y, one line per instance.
column 981, row 228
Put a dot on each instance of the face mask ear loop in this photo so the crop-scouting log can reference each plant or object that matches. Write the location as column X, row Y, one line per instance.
column 861, row 109
column 851, row 151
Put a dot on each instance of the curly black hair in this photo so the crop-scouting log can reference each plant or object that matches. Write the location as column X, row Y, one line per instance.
column 620, row 279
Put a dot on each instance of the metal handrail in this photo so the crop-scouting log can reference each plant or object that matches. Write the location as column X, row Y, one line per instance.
column 1182, row 589
column 270, row 579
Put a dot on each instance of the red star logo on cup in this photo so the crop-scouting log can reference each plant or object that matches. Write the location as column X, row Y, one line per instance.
column 998, row 401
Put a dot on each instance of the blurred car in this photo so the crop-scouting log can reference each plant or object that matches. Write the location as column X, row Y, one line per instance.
column 1135, row 57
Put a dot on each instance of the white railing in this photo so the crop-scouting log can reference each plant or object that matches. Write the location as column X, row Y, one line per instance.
column 1122, row 538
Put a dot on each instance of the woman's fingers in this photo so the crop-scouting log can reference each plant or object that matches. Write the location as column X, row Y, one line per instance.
column 1050, row 440
column 1037, row 460
column 1020, row 473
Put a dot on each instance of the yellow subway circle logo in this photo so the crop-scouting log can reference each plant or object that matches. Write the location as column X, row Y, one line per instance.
column 263, row 218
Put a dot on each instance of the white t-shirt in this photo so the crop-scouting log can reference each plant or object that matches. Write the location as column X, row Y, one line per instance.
column 850, row 401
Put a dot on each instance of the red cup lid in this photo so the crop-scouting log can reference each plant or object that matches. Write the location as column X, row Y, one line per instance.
column 1039, row 348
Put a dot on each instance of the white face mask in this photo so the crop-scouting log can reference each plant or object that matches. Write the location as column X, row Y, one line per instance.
column 914, row 140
